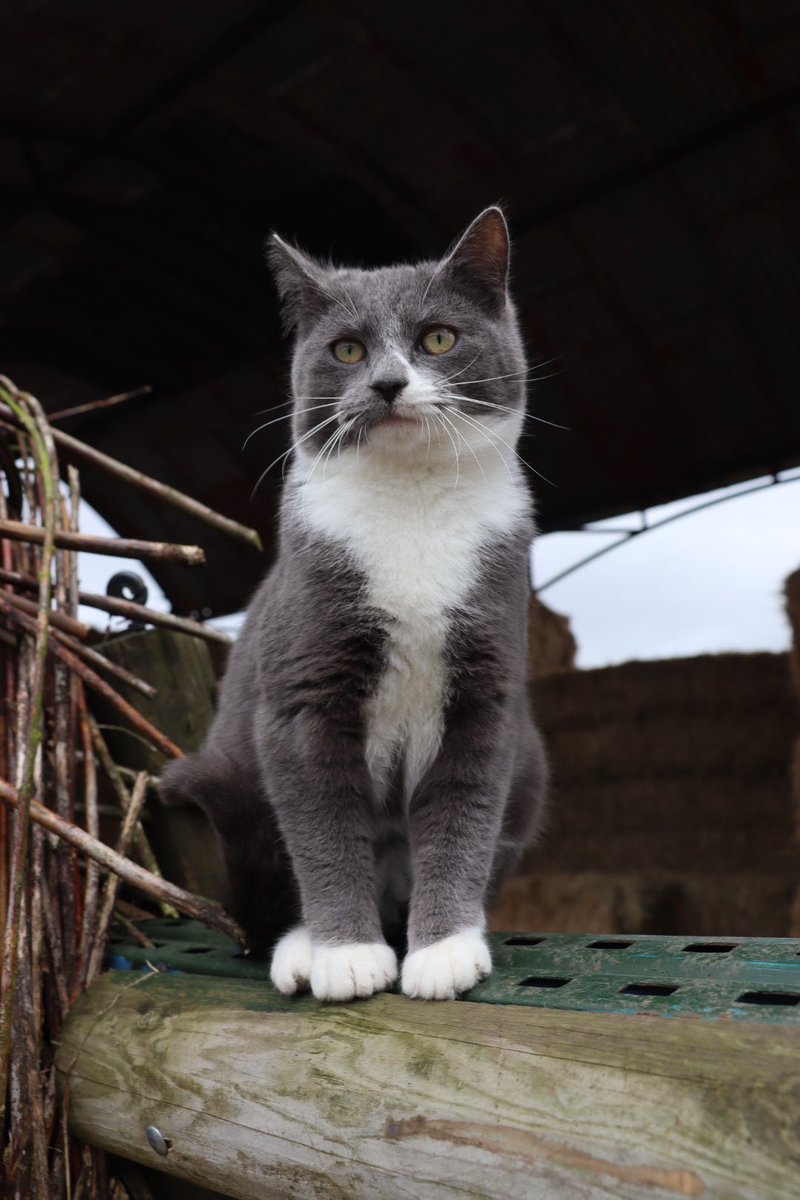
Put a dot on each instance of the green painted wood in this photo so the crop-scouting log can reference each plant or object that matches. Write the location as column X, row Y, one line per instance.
column 746, row 979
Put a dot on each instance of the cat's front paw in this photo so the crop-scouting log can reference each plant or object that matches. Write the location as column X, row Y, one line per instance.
column 359, row 969
column 291, row 962
column 446, row 968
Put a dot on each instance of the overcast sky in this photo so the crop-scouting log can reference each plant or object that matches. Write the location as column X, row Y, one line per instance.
column 706, row 583
column 709, row 582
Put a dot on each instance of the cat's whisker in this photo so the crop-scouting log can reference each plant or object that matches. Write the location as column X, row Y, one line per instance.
column 527, row 416
column 515, row 374
column 466, row 368
column 350, row 300
column 428, row 430
column 286, row 404
column 331, row 443
column 337, row 444
column 285, row 417
column 328, row 441
column 490, row 432
column 301, row 495
column 484, row 432
column 286, row 453
column 351, row 312
column 438, row 414
column 289, row 403
column 461, row 438
column 315, row 430
column 429, row 284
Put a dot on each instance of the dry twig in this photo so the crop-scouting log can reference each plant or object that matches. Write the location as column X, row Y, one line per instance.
column 189, row 556
column 53, row 916
column 92, row 406
column 161, row 889
column 73, row 448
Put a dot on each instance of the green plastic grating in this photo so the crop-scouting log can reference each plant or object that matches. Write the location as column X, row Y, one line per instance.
column 756, row 979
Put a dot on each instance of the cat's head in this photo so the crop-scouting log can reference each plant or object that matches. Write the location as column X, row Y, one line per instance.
column 404, row 359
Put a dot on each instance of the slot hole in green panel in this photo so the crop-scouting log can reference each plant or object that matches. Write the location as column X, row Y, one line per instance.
column 649, row 989
column 783, row 999
column 523, row 941
column 610, row 944
column 711, row 947
column 544, row 981
column 198, row 949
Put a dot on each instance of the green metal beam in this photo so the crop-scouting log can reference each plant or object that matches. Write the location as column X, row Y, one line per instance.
column 749, row 979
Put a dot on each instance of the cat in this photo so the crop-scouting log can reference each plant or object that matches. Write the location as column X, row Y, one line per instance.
column 373, row 770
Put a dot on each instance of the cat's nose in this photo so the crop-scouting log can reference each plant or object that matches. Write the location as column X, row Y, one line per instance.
column 390, row 389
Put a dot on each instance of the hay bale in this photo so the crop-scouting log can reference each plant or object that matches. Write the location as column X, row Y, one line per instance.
column 676, row 850
column 652, row 755
column 741, row 683
column 669, row 744
column 569, row 903
column 794, row 920
column 671, row 799
column 690, row 805
column 746, row 904
column 551, row 644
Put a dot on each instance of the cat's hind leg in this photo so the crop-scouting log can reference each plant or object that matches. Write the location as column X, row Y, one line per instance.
column 261, row 890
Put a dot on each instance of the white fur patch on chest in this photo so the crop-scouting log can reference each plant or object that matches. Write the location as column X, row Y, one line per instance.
column 418, row 539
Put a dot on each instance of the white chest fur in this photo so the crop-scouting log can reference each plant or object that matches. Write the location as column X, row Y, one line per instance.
column 418, row 539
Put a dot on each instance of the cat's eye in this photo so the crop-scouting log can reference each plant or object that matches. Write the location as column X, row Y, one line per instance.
column 349, row 351
column 439, row 340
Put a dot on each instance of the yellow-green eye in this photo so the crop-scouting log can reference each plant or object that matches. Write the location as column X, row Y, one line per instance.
column 349, row 351
column 439, row 340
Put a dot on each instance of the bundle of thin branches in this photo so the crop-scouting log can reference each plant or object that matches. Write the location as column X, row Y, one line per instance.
column 58, row 881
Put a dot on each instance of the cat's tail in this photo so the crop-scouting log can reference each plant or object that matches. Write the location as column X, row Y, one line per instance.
column 261, row 891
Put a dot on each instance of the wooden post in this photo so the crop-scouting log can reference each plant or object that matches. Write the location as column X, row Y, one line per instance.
column 261, row 1096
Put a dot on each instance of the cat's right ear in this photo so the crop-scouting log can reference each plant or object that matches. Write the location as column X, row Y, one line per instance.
column 298, row 278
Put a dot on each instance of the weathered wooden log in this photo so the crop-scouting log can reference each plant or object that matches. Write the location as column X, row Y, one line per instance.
column 256, row 1096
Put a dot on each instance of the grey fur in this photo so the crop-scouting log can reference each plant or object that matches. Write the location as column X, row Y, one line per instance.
column 283, row 773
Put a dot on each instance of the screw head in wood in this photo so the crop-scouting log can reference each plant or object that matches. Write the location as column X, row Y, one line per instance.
column 158, row 1142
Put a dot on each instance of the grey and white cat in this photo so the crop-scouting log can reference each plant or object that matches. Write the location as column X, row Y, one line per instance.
column 373, row 770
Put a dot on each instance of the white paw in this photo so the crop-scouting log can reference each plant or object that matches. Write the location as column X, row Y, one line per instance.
column 291, row 962
column 444, row 969
column 359, row 969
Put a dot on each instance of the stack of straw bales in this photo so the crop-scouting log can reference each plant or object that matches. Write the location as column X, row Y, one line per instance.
column 551, row 645
column 671, row 805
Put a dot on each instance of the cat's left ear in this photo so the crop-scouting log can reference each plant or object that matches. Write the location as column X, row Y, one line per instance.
column 479, row 259
column 298, row 278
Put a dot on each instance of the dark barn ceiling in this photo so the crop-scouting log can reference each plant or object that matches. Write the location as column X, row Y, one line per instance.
column 647, row 154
